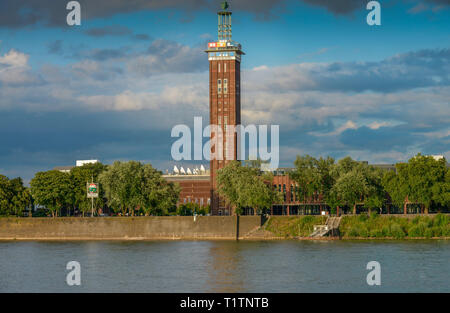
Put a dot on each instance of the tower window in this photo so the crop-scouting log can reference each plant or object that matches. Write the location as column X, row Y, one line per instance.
column 219, row 85
column 225, row 67
column 225, row 85
column 219, row 68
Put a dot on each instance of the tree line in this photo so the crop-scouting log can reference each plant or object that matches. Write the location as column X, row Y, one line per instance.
column 129, row 187
column 422, row 180
column 345, row 183
column 124, row 187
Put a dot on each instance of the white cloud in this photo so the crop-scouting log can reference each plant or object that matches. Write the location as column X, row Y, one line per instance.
column 14, row 69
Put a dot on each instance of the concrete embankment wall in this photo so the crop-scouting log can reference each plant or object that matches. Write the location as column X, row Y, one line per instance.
column 127, row 228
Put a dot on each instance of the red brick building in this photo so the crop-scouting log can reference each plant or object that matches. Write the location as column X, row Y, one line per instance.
column 224, row 57
column 194, row 188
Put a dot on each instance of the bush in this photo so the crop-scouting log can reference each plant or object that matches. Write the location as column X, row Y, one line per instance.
column 418, row 230
column 446, row 231
column 415, row 231
column 363, row 217
column 441, row 220
column 376, row 233
column 428, row 233
column 437, row 231
column 354, row 231
column 386, row 231
column 397, row 231
column 364, row 232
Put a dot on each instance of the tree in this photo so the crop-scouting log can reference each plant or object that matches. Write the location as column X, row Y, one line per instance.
column 313, row 176
column 306, row 176
column 52, row 189
column 21, row 198
column 441, row 190
column 81, row 175
column 396, row 184
column 351, row 187
column 159, row 197
column 244, row 187
column 131, row 185
column 424, row 173
column 5, row 195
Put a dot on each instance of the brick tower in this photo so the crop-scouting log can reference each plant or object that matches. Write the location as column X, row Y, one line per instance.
column 224, row 57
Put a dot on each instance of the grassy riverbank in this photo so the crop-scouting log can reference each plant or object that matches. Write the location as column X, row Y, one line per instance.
column 363, row 226
column 291, row 227
column 376, row 226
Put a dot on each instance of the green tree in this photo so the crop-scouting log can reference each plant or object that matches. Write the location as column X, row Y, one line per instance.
column 244, row 187
column 424, row 173
column 80, row 176
column 441, row 190
column 396, row 184
column 351, row 187
column 5, row 196
column 52, row 189
column 131, row 185
column 306, row 176
column 21, row 196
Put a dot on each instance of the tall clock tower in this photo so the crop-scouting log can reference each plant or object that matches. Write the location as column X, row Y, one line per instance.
column 224, row 57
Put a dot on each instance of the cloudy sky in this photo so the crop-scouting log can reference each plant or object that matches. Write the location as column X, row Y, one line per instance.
column 113, row 88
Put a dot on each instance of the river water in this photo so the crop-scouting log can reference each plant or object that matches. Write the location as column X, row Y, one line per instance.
column 225, row 266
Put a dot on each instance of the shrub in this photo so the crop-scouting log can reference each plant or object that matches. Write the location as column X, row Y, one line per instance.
column 441, row 220
column 307, row 219
column 363, row 217
column 364, row 232
column 428, row 233
column 446, row 231
column 376, row 233
column 418, row 230
column 437, row 231
column 414, row 231
column 397, row 231
column 354, row 231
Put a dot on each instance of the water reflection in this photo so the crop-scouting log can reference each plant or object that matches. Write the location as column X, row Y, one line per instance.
column 224, row 267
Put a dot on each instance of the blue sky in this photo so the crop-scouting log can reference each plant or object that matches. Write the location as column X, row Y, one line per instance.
column 114, row 87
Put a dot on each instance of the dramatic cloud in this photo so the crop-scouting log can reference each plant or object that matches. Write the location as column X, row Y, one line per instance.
column 164, row 56
column 124, row 107
column 20, row 13
column 425, row 68
column 113, row 30
column 339, row 6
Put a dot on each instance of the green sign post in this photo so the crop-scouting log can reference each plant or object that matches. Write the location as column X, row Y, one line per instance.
column 92, row 192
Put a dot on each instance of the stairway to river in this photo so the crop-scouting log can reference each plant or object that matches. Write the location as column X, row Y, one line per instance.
column 330, row 228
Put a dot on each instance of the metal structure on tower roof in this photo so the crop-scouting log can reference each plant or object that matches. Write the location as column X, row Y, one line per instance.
column 224, row 23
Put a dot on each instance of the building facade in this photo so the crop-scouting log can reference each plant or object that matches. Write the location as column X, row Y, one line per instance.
column 224, row 57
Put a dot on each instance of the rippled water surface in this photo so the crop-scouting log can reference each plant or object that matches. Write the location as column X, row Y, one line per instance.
column 225, row 266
